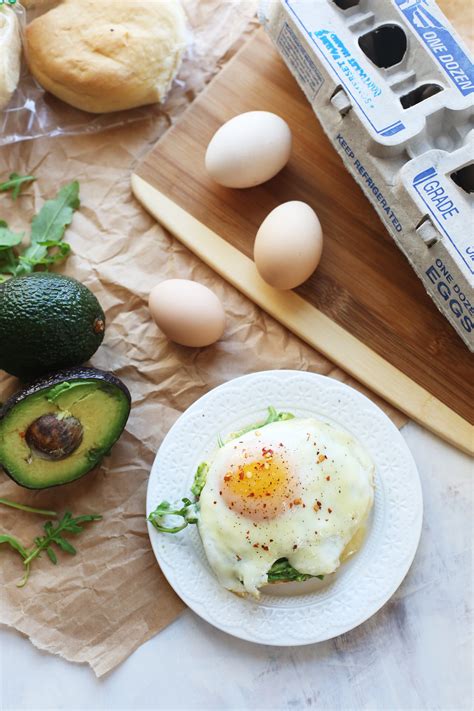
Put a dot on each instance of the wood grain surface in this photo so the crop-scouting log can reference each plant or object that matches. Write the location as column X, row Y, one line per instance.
column 364, row 283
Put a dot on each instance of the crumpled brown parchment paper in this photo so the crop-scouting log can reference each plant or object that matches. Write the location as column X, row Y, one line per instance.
column 102, row 604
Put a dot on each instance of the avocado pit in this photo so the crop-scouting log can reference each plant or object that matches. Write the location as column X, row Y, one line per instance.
column 54, row 437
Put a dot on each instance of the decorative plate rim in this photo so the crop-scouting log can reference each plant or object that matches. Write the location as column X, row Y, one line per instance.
column 382, row 562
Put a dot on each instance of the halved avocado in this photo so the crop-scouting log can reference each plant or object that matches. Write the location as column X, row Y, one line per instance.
column 58, row 428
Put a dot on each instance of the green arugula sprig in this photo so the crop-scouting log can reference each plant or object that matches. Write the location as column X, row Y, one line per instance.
column 47, row 231
column 54, row 534
column 187, row 512
column 15, row 184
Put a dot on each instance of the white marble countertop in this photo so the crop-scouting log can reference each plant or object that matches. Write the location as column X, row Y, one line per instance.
column 416, row 653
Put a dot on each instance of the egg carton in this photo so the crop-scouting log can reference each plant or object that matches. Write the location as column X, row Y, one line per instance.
column 392, row 85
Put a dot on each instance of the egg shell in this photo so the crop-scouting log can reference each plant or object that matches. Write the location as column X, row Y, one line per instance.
column 248, row 150
column 187, row 312
column 288, row 245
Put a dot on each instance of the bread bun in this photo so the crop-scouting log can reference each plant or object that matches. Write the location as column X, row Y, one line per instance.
column 10, row 54
column 107, row 55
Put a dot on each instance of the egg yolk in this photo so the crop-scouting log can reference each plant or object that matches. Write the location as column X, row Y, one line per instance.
column 260, row 489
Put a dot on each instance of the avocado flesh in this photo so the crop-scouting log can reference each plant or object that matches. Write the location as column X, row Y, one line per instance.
column 101, row 408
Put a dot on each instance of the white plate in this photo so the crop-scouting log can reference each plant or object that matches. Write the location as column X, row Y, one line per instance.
column 294, row 613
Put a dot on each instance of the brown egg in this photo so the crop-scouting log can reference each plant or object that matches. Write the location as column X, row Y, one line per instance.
column 187, row 312
column 288, row 245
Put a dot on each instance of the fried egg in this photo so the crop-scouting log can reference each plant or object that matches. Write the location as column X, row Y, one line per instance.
column 299, row 489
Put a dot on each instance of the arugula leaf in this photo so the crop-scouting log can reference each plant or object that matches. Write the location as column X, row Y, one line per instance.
column 8, row 259
column 8, row 263
column 8, row 239
column 51, row 221
column 15, row 183
column 200, row 479
column 47, row 230
column 187, row 513
column 15, row 544
column 52, row 555
column 282, row 570
column 63, row 249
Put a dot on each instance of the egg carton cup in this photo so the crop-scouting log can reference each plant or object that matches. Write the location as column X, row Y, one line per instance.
column 392, row 85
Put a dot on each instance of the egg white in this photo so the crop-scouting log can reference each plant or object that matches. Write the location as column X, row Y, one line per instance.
column 311, row 516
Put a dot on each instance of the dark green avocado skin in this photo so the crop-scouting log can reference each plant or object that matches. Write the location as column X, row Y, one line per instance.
column 46, row 383
column 48, row 322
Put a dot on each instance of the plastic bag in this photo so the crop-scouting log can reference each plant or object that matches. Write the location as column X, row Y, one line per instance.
column 33, row 113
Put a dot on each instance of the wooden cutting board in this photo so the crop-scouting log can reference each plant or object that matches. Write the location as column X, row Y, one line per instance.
column 364, row 307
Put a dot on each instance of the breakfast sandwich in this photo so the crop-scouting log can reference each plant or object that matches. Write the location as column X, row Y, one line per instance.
column 285, row 500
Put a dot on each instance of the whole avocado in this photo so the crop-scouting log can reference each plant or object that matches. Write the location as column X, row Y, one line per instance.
column 47, row 322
